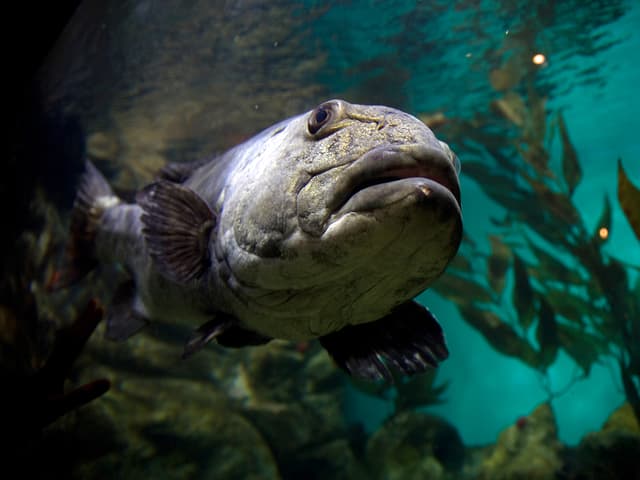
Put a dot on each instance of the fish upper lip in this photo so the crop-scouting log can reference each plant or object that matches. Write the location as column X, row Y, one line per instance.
column 395, row 162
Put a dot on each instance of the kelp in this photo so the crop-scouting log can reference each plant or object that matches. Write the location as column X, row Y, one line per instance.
column 571, row 170
column 498, row 263
column 406, row 393
column 548, row 284
column 629, row 198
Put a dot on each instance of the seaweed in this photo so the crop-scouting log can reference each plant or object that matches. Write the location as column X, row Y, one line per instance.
column 405, row 393
column 548, row 284
column 629, row 198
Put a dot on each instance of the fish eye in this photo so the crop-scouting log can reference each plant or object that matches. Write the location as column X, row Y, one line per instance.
column 319, row 117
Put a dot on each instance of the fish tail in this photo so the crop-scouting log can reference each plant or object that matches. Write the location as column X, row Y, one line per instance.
column 94, row 197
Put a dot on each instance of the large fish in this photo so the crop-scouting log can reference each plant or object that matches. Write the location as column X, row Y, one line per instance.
column 325, row 225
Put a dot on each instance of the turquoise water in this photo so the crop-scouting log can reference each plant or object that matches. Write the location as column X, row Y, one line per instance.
column 603, row 121
column 136, row 84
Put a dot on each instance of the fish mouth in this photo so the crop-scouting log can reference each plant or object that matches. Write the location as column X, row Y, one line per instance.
column 387, row 174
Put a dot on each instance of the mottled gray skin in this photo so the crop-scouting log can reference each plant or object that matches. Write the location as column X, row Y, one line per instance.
column 300, row 248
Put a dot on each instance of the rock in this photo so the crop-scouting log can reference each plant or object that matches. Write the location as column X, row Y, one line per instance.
column 225, row 413
column 529, row 449
column 291, row 428
column 177, row 428
column 293, row 390
column 102, row 147
column 321, row 373
column 622, row 419
column 273, row 372
column 613, row 452
column 295, row 399
column 328, row 410
column 279, row 372
column 287, row 427
column 334, row 460
column 416, row 445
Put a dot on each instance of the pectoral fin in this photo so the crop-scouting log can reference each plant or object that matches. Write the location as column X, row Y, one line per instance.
column 225, row 330
column 207, row 332
column 179, row 172
column 408, row 339
column 177, row 229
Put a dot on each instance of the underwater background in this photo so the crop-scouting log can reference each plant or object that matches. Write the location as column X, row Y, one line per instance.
column 541, row 308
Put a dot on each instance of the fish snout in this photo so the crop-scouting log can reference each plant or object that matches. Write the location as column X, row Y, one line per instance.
column 389, row 167
column 383, row 176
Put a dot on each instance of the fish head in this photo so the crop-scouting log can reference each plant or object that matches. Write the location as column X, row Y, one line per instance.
column 344, row 195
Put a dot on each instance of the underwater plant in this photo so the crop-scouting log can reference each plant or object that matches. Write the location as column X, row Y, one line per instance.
column 547, row 284
column 629, row 198
column 406, row 393
column 31, row 402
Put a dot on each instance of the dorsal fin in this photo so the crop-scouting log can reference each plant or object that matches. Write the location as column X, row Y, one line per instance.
column 177, row 228
column 178, row 172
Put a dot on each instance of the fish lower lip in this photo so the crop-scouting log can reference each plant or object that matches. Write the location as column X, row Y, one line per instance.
column 385, row 194
column 388, row 166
